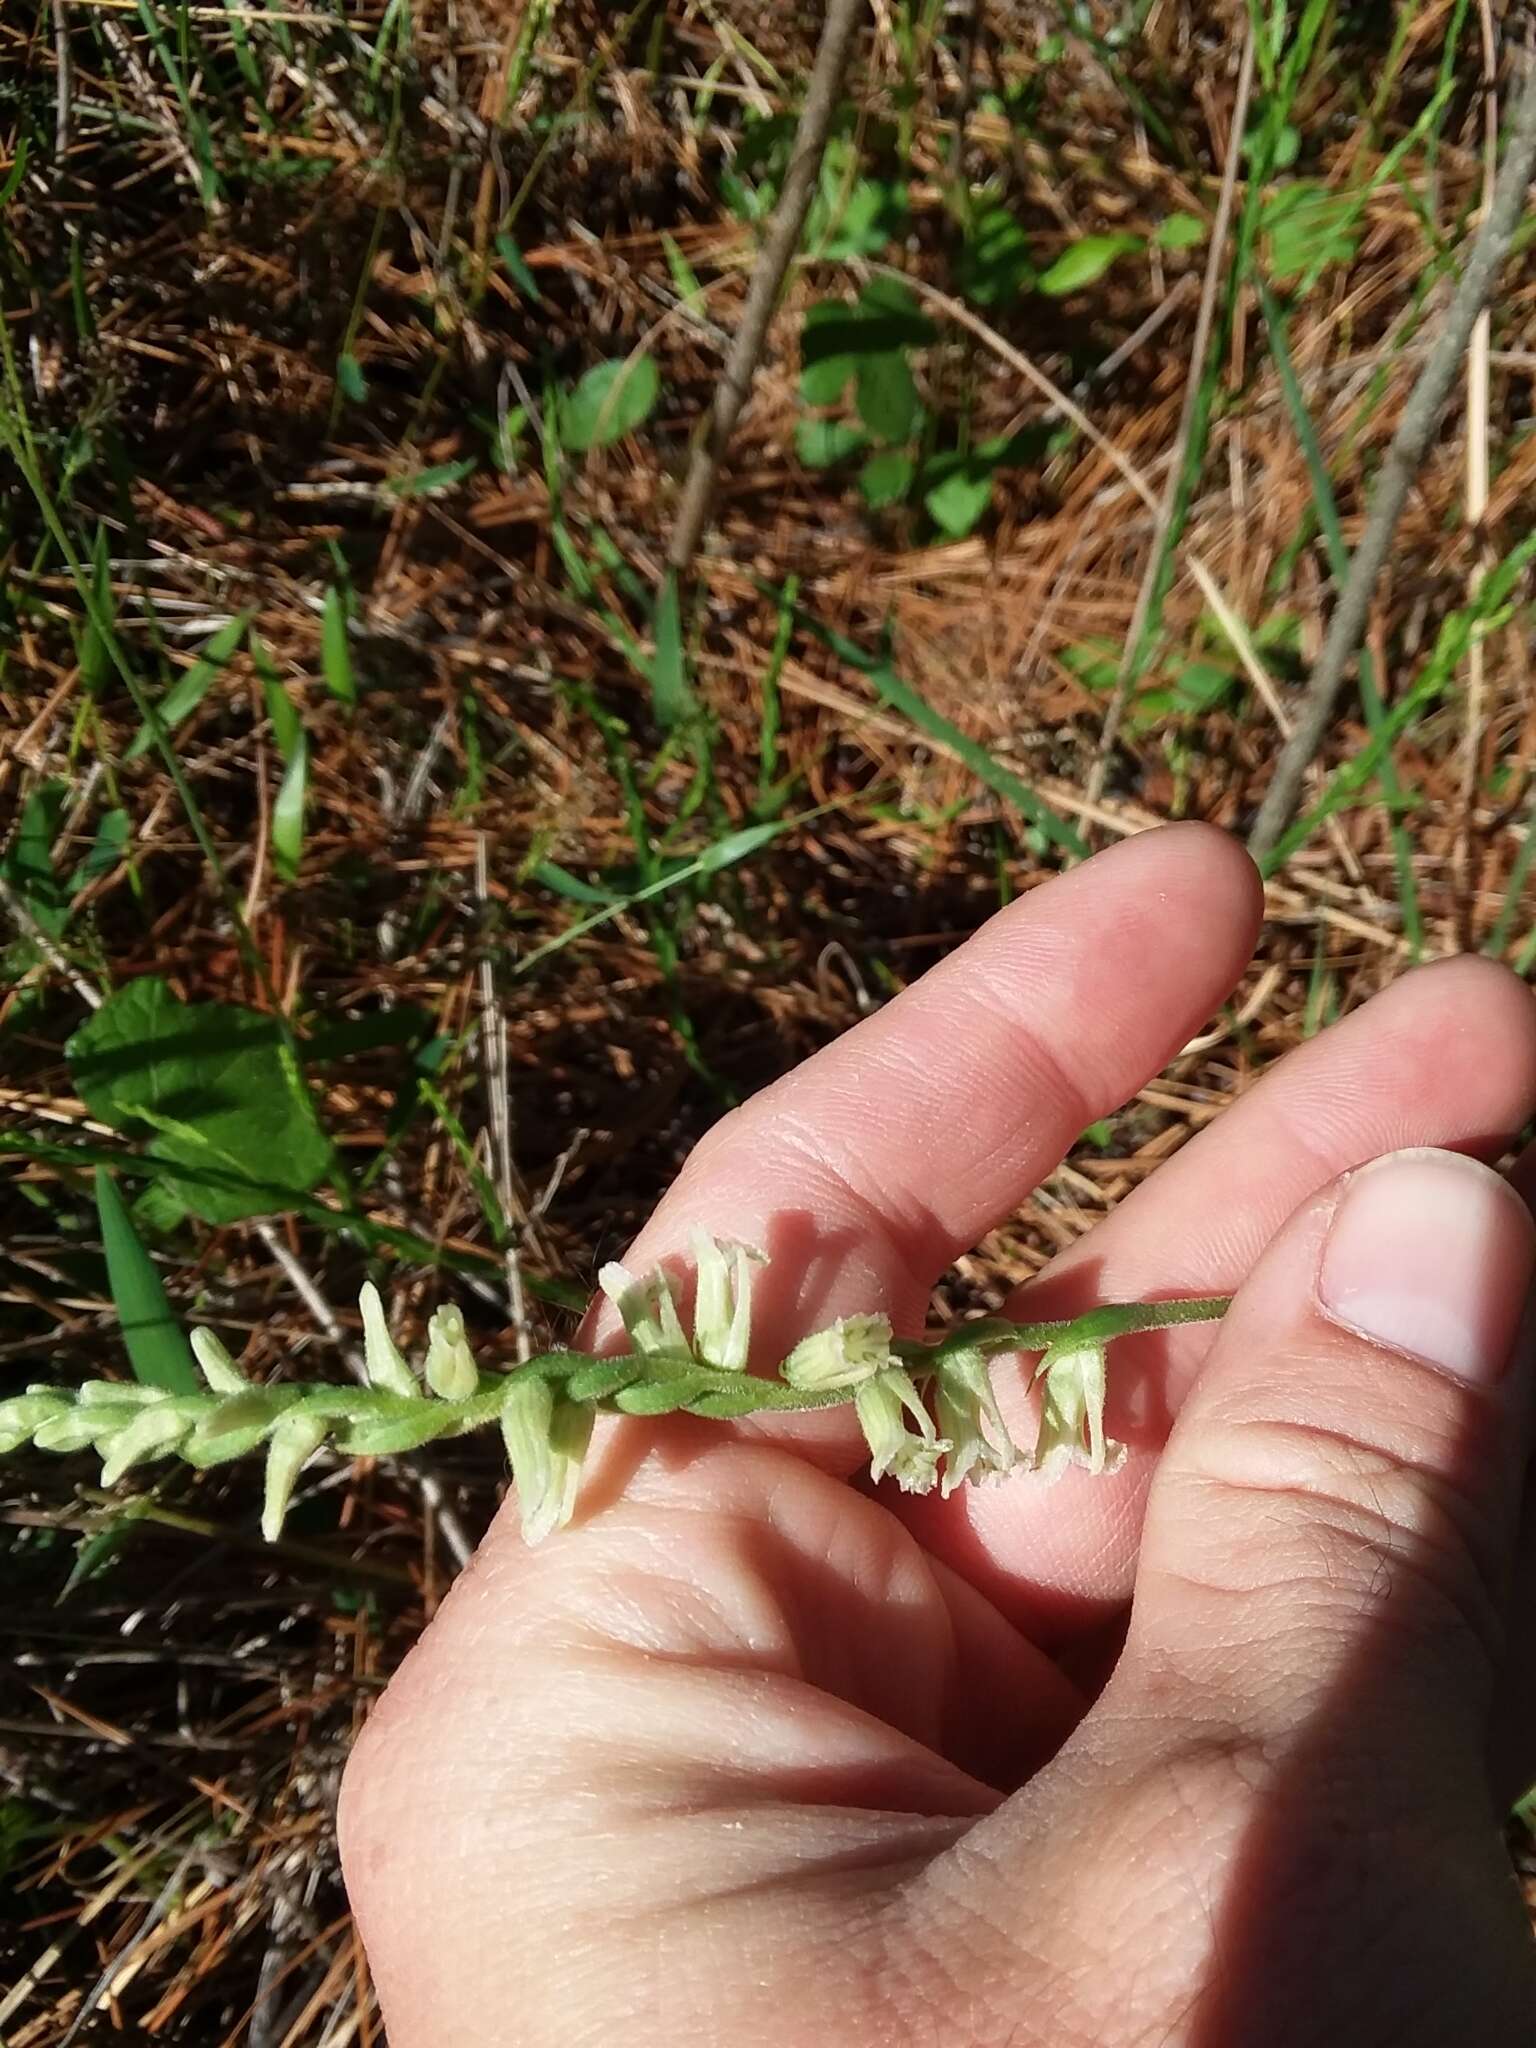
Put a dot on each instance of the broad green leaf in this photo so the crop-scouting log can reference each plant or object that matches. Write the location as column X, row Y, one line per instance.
column 996, row 263
column 1181, row 231
column 190, row 688
column 886, row 394
column 27, row 865
column 442, row 476
column 959, row 499
column 856, row 220
column 288, row 812
column 349, row 375
column 836, row 338
column 610, row 401
column 1309, row 227
column 887, row 477
column 1201, row 685
column 1085, row 263
column 157, row 1346
column 821, row 443
column 211, row 1086
column 107, row 850
column 516, row 268
column 672, row 696
column 335, row 649
column 1095, row 663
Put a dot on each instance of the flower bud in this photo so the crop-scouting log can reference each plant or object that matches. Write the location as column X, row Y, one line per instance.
column 218, row 1368
column 722, row 1302
column 451, row 1370
column 153, row 1433
column 546, row 1439
column 386, row 1367
column 851, row 1351
column 883, row 1405
column 26, row 1412
column 293, row 1442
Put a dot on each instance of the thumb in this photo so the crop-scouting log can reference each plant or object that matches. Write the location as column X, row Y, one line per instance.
column 1331, row 1530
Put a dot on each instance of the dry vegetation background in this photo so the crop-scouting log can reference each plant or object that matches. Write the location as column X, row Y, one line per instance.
column 296, row 300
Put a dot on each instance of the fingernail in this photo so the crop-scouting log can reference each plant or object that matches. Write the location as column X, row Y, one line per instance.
column 1432, row 1254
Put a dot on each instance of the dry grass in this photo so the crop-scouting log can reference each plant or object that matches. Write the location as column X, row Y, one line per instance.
column 171, row 1730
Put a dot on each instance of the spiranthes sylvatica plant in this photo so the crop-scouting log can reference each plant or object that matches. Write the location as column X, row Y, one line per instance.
column 927, row 1410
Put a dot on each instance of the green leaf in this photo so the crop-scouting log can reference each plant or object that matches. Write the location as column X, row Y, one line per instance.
column 561, row 882
column 1309, row 228
column 1095, row 663
column 836, row 338
column 423, row 483
column 887, row 477
column 349, row 375
column 821, row 443
column 157, row 1347
column 190, row 688
column 886, row 395
column 517, row 269
column 685, row 282
column 856, row 220
column 1085, row 263
column 212, row 1087
column 107, row 850
column 28, row 864
column 960, row 498
column 896, row 691
column 335, row 649
column 288, row 812
column 1201, row 685
column 672, row 697
column 287, row 729
column 1181, row 231
column 996, row 263
column 15, row 173
column 610, row 401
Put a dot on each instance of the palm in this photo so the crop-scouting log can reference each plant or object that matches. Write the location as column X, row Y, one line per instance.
column 734, row 1710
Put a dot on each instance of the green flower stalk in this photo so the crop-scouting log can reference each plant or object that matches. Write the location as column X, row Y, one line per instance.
column 928, row 1411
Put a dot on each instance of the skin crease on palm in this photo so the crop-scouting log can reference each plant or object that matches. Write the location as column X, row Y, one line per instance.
column 753, row 1753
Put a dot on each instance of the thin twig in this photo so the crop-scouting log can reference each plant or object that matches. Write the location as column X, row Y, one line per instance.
column 64, row 81
column 783, row 238
column 1215, row 271
column 1404, row 458
column 54, row 954
column 1477, row 484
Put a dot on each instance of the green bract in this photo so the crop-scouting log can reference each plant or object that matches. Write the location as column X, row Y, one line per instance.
column 928, row 1411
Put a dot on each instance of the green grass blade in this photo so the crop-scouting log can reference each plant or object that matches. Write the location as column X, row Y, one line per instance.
column 1326, row 507
column 189, row 690
column 335, row 653
column 288, row 812
column 901, row 696
column 157, row 1347
column 672, row 695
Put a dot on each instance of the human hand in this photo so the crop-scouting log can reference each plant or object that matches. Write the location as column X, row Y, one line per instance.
column 753, row 1754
